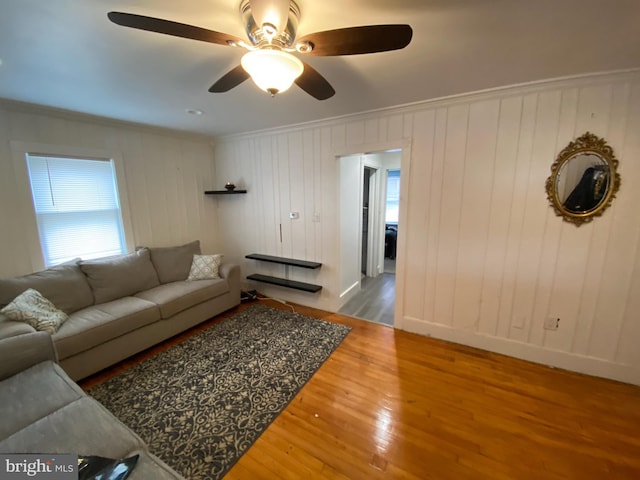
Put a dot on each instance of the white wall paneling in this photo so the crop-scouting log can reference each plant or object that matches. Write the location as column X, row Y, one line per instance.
column 483, row 259
column 165, row 174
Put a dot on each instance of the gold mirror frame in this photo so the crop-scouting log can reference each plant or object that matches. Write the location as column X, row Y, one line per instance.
column 587, row 144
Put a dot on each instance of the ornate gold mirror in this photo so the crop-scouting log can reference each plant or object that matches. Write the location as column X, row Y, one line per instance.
column 584, row 179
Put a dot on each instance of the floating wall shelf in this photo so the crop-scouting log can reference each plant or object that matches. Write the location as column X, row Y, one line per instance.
column 283, row 282
column 224, row 192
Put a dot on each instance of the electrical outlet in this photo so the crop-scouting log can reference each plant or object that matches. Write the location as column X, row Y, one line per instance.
column 551, row 323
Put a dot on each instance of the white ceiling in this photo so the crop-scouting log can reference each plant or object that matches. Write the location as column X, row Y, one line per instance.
column 67, row 54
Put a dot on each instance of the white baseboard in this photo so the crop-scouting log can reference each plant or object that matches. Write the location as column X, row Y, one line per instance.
column 349, row 293
column 525, row 351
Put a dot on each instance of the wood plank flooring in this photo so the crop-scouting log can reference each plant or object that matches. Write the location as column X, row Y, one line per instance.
column 390, row 404
column 375, row 301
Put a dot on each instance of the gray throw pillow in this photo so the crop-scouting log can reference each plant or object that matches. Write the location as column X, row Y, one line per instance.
column 63, row 285
column 174, row 263
column 120, row 276
column 33, row 309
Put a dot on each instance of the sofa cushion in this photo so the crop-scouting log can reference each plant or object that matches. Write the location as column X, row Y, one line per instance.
column 64, row 285
column 47, row 388
column 204, row 267
column 121, row 275
column 100, row 323
column 173, row 263
column 82, row 426
column 9, row 328
column 33, row 309
column 175, row 297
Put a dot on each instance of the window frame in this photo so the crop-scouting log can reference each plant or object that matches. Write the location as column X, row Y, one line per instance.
column 21, row 150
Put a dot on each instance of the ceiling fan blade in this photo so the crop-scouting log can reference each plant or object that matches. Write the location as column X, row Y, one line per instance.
column 229, row 80
column 314, row 84
column 167, row 27
column 358, row 40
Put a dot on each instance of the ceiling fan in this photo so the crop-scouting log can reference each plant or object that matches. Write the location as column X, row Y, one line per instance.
column 271, row 27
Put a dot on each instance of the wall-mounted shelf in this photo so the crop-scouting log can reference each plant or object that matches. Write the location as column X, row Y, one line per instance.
column 224, row 192
column 283, row 260
column 283, row 282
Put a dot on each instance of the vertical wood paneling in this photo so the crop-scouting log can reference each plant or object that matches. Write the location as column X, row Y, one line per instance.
column 553, row 225
column 318, row 202
column 266, row 184
column 449, row 226
column 310, row 187
column 297, row 184
column 627, row 350
column 281, row 158
column 576, row 254
column 155, row 174
column 534, row 212
column 434, row 210
column 19, row 260
column 501, row 193
column 516, row 217
column 416, row 224
column 371, row 132
column 395, row 124
column 617, row 272
column 355, row 134
column 475, row 210
column 383, row 129
column 613, row 121
column 160, row 170
column 484, row 251
column 131, row 142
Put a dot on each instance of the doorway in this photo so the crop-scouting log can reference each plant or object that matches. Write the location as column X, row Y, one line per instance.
column 371, row 289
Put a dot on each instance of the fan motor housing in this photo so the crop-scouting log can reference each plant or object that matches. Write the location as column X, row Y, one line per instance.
column 263, row 35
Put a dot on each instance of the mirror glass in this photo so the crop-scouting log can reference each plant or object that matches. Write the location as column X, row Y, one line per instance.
column 582, row 182
column 583, row 179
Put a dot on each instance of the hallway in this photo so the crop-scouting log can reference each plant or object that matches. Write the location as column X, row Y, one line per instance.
column 375, row 301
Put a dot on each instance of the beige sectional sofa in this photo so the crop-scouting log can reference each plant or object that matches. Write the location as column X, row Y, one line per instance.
column 118, row 306
column 44, row 411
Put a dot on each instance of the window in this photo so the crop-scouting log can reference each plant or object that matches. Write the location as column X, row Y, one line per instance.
column 393, row 197
column 77, row 207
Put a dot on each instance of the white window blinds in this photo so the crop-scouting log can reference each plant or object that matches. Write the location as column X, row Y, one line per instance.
column 77, row 208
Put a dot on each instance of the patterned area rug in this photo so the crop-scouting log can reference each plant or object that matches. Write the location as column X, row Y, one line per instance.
column 201, row 404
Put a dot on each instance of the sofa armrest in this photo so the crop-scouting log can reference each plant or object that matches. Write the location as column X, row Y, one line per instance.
column 23, row 351
column 9, row 328
column 229, row 269
column 231, row 272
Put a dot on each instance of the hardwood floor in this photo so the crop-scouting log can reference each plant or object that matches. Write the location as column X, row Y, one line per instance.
column 390, row 404
column 375, row 301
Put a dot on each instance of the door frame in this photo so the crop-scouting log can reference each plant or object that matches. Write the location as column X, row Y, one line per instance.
column 404, row 145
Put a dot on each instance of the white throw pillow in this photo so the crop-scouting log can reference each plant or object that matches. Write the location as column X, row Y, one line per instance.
column 32, row 308
column 205, row 267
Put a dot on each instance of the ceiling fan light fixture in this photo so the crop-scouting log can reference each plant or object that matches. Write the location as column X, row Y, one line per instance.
column 273, row 71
